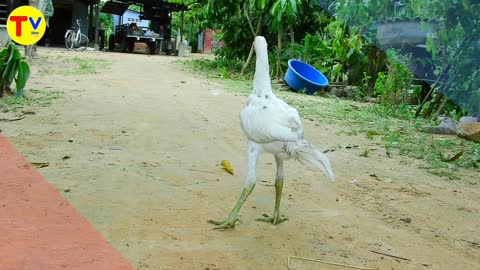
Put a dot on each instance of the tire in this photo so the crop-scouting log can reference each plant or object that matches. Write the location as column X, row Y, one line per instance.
column 152, row 45
column 123, row 44
column 111, row 42
column 69, row 40
column 82, row 43
column 130, row 45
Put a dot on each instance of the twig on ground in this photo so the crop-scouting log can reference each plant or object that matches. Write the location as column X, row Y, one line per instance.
column 325, row 262
column 12, row 119
column 195, row 170
column 393, row 256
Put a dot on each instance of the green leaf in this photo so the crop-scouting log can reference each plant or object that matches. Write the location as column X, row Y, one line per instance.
column 293, row 4
column 350, row 52
column 22, row 77
column 4, row 53
column 9, row 72
column 274, row 9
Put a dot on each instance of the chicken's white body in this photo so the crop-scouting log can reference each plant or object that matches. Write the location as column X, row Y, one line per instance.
column 272, row 126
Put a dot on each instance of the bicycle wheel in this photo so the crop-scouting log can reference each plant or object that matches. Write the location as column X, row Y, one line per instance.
column 82, row 43
column 69, row 39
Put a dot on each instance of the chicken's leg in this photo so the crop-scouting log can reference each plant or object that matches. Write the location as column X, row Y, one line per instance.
column 278, row 195
column 253, row 153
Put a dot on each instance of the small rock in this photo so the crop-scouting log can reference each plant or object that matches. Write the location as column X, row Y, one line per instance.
column 66, row 190
column 406, row 220
column 469, row 131
column 351, row 90
column 447, row 126
column 215, row 92
column 338, row 92
column 354, row 182
column 468, row 119
column 70, row 140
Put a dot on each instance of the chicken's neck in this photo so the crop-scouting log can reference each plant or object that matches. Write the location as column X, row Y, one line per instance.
column 262, row 85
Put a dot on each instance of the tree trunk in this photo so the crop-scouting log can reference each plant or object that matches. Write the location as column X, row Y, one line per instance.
column 5, row 90
column 245, row 10
column 32, row 49
column 292, row 41
column 279, row 55
column 441, row 107
column 433, row 106
column 2, row 90
column 250, row 54
column 419, row 109
column 252, row 49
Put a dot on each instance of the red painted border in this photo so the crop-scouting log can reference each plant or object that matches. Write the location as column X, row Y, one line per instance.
column 39, row 229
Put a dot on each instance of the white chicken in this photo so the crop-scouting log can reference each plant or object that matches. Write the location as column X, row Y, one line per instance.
column 272, row 126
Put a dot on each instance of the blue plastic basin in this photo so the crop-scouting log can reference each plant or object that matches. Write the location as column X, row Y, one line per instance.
column 303, row 76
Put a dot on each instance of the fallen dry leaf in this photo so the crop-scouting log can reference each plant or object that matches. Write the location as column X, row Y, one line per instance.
column 40, row 164
column 226, row 165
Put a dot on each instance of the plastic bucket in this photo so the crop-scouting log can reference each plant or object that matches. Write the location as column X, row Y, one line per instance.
column 303, row 76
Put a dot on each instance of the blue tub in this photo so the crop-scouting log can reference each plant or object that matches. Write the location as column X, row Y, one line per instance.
column 303, row 76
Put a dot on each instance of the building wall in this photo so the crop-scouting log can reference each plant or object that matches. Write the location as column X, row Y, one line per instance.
column 3, row 35
column 80, row 11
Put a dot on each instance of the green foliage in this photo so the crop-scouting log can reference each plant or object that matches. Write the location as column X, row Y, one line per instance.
column 365, row 153
column 453, row 44
column 13, row 67
column 284, row 12
column 334, row 51
column 217, row 68
column 394, row 85
column 88, row 65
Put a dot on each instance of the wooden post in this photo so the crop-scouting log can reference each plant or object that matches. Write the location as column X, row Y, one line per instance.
column 181, row 27
column 97, row 23
column 30, row 50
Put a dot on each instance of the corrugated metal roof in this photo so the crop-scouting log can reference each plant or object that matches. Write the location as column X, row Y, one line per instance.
column 113, row 7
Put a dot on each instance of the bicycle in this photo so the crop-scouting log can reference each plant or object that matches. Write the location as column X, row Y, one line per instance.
column 74, row 39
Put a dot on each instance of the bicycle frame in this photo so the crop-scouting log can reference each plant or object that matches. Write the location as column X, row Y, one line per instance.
column 74, row 36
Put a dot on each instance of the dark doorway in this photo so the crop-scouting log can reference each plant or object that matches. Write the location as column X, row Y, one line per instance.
column 59, row 23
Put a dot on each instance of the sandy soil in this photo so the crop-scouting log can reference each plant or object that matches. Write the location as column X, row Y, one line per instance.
column 143, row 169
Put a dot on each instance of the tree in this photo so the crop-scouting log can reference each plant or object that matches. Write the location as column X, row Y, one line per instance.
column 284, row 14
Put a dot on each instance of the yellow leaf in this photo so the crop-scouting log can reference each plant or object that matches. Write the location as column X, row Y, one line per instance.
column 226, row 165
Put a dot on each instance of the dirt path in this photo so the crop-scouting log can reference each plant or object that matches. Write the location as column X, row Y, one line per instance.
column 147, row 138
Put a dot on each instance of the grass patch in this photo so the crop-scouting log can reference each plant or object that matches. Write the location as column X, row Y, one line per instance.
column 395, row 127
column 41, row 98
column 85, row 65
column 73, row 66
column 221, row 69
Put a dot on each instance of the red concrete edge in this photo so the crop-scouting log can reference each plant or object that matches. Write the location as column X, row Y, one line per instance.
column 39, row 229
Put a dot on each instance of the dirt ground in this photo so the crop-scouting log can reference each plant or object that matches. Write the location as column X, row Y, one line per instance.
column 143, row 169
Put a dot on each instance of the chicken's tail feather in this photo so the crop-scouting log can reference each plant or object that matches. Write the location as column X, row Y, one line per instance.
column 311, row 156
